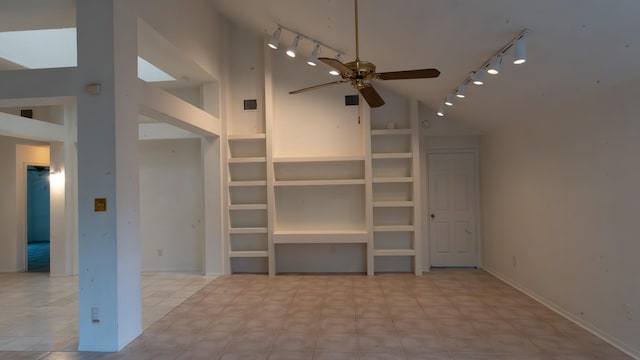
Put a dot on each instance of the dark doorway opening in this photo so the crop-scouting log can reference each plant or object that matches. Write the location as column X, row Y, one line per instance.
column 38, row 219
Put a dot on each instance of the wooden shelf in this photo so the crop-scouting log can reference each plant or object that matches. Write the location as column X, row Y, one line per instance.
column 317, row 159
column 390, row 204
column 394, row 252
column 248, row 183
column 332, row 182
column 248, row 207
column 392, row 228
column 319, row 236
column 246, row 254
column 250, row 230
column 241, row 137
column 392, row 156
column 247, row 160
column 392, row 180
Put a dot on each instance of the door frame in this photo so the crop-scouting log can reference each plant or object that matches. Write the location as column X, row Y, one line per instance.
column 24, row 213
column 478, row 219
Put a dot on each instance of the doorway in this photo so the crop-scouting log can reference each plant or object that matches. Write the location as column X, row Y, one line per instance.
column 453, row 209
column 38, row 219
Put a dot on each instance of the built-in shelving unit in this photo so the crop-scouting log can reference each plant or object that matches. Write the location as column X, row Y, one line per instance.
column 247, row 193
column 395, row 190
column 370, row 199
column 327, row 190
column 311, row 195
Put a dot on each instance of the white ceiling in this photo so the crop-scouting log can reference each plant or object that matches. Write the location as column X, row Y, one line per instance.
column 576, row 47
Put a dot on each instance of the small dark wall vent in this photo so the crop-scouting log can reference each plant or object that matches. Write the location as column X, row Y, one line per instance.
column 27, row 113
column 351, row 100
column 251, row 104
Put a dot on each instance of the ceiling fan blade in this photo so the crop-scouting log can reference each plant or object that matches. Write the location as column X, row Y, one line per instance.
column 336, row 64
column 318, row 87
column 409, row 74
column 371, row 96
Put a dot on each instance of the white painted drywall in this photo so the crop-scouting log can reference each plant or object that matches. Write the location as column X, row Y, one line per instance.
column 171, row 206
column 560, row 194
column 246, row 71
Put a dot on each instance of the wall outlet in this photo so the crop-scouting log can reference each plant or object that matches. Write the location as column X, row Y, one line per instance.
column 514, row 262
column 95, row 315
column 160, row 252
column 627, row 311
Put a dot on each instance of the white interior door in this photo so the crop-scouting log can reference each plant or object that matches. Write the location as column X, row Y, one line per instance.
column 452, row 210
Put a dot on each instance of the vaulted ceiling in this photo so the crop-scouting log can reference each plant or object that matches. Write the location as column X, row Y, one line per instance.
column 576, row 47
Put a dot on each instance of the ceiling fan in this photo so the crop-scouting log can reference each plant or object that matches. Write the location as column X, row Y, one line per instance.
column 360, row 73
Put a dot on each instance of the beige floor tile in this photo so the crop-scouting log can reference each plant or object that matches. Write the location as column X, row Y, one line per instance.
column 328, row 342
column 379, row 343
column 445, row 314
column 295, row 341
column 328, row 355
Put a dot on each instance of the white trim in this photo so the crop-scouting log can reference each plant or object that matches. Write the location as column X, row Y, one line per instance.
column 635, row 353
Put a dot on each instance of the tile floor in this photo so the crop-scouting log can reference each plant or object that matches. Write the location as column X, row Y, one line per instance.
column 445, row 314
column 40, row 312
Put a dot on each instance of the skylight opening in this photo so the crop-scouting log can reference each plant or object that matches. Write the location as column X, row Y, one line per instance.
column 40, row 49
column 56, row 48
column 151, row 73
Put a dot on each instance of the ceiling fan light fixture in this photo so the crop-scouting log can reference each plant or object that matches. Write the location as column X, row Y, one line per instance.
column 440, row 110
column 274, row 42
column 494, row 66
column 294, row 47
column 335, row 72
column 449, row 100
column 520, row 56
column 313, row 59
column 461, row 91
column 478, row 77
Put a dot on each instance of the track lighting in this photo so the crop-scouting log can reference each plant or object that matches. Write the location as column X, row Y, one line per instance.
column 494, row 67
column 294, row 47
column 520, row 56
column 461, row 92
column 478, row 77
column 313, row 60
column 335, row 72
column 449, row 100
column 274, row 42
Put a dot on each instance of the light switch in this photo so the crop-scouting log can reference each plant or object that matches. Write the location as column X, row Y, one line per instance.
column 100, row 204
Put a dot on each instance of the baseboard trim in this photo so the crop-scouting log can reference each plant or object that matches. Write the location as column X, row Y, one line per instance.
column 634, row 353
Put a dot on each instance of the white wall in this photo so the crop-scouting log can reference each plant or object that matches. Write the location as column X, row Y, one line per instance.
column 193, row 26
column 560, row 194
column 315, row 123
column 171, row 206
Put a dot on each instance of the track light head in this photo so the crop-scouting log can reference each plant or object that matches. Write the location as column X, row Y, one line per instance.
column 461, row 92
column 478, row 77
column 449, row 100
column 494, row 67
column 335, row 72
column 520, row 56
column 313, row 59
column 274, row 42
column 294, row 47
column 440, row 110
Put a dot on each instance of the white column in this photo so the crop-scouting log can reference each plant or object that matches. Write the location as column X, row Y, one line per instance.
column 214, row 247
column 109, row 244
column 62, row 181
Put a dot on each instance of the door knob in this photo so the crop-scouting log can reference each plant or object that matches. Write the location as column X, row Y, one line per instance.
column 433, row 216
